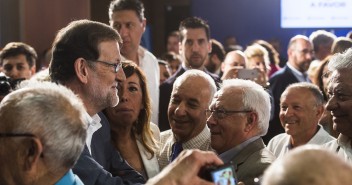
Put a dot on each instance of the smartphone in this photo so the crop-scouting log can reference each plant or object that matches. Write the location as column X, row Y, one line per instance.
column 224, row 175
column 247, row 74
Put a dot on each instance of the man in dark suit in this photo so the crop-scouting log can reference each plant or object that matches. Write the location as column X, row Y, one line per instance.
column 300, row 55
column 236, row 125
column 87, row 60
column 194, row 48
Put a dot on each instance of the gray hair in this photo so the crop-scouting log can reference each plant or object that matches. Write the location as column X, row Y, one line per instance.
column 341, row 61
column 314, row 89
column 308, row 165
column 254, row 98
column 52, row 113
column 197, row 73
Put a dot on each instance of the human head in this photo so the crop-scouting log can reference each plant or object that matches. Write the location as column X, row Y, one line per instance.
column 341, row 44
column 195, row 45
column 127, row 17
column 173, row 59
column 18, row 60
column 300, row 53
column 187, row 107
column 53, row 119
column 164, row 71
column 272, row 53
column 85, row 56
column 233, row 58
column 133, row 94
column 216, row 56
column 257, row 57
column 322, row 41
column 235, row 128
column 321, row 77
column 301, row 106
column 173, row 42
column 339, row 90
column 308, row 165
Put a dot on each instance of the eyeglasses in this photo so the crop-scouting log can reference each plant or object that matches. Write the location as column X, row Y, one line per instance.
column 116, row 67
column 221, row 113
column 17, row 135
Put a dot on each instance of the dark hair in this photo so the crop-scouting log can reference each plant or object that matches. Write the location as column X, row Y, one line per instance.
column 142, row 126
column 193, row 23
column 318, row 76
column 217, row 49
column 79, row 39
column 170, row 56
column 13, row 49
column 135, row 5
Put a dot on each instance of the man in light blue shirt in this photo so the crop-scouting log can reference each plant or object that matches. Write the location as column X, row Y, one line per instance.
column 42, row 134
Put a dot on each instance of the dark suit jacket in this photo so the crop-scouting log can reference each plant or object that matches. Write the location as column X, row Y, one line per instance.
column 251, row 161
column 278, row 83
column 105, row 166
column 165, row 94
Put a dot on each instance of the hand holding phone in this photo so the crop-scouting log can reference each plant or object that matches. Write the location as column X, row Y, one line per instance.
column 220, row 175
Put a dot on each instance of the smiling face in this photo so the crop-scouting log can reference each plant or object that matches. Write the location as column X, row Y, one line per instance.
column 195, row 47
column 189, row 100
column 299, row 114
column 130, row 105
column 340, row 101
column 102, row 86
column 229, row 131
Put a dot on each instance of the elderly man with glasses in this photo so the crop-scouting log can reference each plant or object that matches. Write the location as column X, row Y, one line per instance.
column 42, row 134
column 237, row 118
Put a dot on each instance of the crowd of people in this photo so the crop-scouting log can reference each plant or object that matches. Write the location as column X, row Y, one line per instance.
column 106, row 111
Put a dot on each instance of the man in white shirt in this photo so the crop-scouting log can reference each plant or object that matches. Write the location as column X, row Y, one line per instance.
column 301, row 107
column 127, row 17
column 86, row 59
column 300, row 54
column 340, row 103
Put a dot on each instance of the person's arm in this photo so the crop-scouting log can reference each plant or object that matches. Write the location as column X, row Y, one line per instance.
column 185, row 168
column 92, row 173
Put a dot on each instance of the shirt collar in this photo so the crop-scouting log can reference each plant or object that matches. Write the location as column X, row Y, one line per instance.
column 229, row 154
column 298, row 74
column 197, row 141
column 69, row 179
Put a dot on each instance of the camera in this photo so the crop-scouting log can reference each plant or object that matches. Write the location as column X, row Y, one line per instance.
column 220, row 175
column 7, row 84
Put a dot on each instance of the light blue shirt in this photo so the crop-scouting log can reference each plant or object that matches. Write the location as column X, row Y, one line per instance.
column 69, row 179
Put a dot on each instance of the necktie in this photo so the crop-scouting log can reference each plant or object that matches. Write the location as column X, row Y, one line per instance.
column 176, row 150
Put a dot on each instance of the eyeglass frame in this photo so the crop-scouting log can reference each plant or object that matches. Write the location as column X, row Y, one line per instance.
column 225, row 112
column 117, row 66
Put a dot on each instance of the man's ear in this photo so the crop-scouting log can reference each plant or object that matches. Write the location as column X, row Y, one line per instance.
column 81, row 70
column 252, row 121
column 144, row 24
column 33, row 152
column 33, row 70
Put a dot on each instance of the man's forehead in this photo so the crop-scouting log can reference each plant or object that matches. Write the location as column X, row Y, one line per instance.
column 194, row 33
column 340, row 78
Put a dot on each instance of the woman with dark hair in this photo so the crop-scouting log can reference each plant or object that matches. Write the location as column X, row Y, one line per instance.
column 132, row 132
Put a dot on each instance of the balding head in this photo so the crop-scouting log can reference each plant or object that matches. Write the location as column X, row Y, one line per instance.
column 308, row 165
